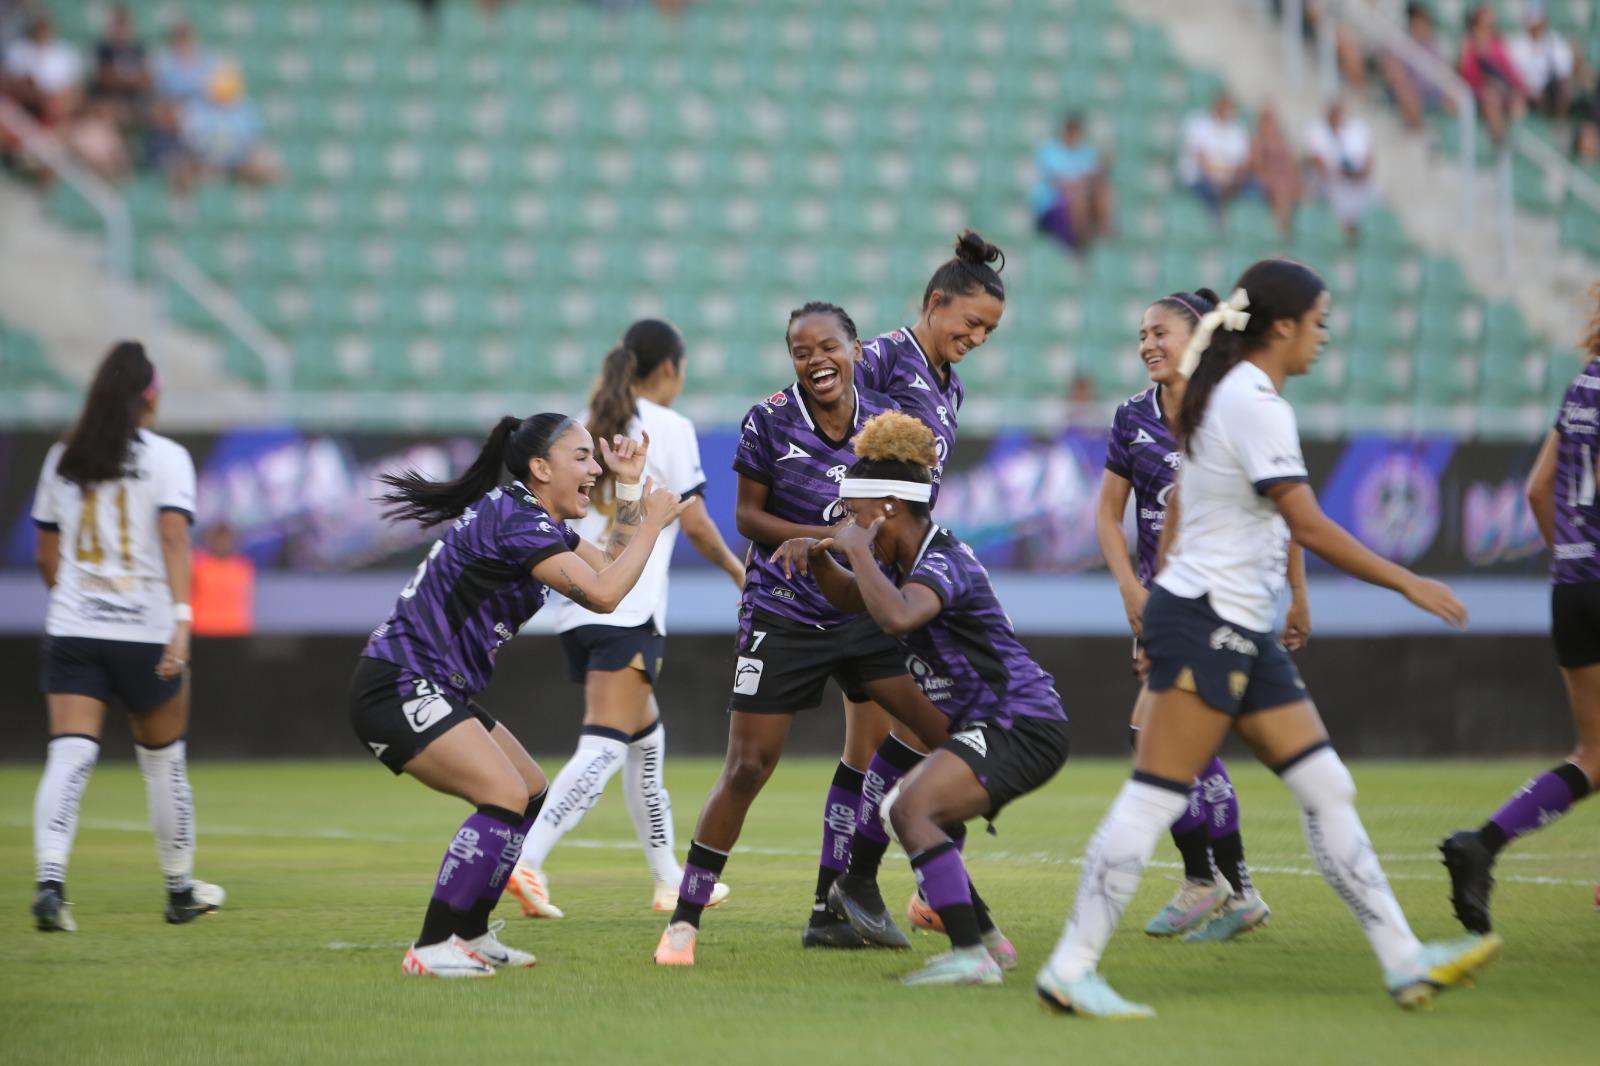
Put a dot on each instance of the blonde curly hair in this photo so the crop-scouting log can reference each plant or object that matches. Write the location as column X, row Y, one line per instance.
column 895, row 437
column 1591, row 335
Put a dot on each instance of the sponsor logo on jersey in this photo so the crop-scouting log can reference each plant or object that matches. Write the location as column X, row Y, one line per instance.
column 1141, row 437
column 428, row 708
column 1225, row 637
column 833, row 512
column 777, row 399
column 750, row 427
column 974, row 739
column 377, row 749
column 747, row 676
column 837, row 473
column 1164, row 495
column 795, row 452
column 933, row 686
column 1578, row 420
column 1566, row 553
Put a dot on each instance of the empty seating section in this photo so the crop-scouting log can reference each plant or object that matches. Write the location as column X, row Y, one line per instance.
column 485, row 209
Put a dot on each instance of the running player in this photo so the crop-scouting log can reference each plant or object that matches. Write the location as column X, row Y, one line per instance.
column 112, row 513
column 916, row 367
column 1561, row 494
column 1008, row 731
column 793, row 452
column 411, row 699
column 1214, row 665
column 1142, row 459
column 617, row 657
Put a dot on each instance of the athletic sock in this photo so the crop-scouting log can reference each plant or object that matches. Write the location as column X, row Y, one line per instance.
column 69, row 760
column 601, row 753
column 890, row 763
column 1338, row 841
column 481, row 851
column 1190, row 835
column 166, row 786
column 700, row 874
column 1118, row 853
column 1538, row 802
column 649, row 804
column 477, row 921
column 943, row 879
column 838, row 826
column 1222, row 826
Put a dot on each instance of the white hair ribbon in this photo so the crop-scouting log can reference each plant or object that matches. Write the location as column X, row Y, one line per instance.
column 865, row 488
column 1230, row 315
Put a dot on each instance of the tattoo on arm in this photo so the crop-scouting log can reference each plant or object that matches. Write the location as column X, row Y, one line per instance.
column 573, row 592
column 630, row 513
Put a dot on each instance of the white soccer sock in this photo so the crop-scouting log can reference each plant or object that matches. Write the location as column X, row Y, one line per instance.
column 1345, row 856
column 67, row 765
column 1118, row 853
column 166, row 788
column 649, row 804
column 576, row 789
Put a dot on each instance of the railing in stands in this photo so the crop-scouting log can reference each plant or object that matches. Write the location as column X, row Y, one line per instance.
column 277, row 360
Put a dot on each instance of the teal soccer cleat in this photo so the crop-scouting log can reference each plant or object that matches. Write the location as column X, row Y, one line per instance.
column 1089, row 996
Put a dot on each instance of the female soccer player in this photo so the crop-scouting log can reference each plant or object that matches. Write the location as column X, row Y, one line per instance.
column 1562, row 497
column 411, row 699
column 113, row 511
column 793, row 452
column 617, row 657
column 1008, row 731
column 1142, row 459
column 916, row 367
column 1213, row 663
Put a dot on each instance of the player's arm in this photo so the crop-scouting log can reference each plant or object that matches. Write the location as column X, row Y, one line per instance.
column 173, row 528
column 594, row 580
column 1113, row 504
column 707, row 539
column 760, row 526
column 809, row 555
column 897, row 610
column 47, row 555
column 1297, row 627
column 1542, row 489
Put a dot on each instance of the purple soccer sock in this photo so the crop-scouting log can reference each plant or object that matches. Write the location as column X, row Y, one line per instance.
column 1222, row 825
column 1537, row 803
column 700, row 874
column 889, row 765
column 475, row 856
column 942, row 878
column 1191, row 837
column 838, row 827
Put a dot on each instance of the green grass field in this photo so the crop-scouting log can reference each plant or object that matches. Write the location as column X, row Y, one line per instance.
column 327, row 866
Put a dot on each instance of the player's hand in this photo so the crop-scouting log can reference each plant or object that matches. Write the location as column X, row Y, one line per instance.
column 849, row 537
column 1133, row 600
column 1297, row 627
column 175, row 656
column 1141, row 665
column 624, row 457
column 795, row 555
column 662, row 506
column 1436, row 598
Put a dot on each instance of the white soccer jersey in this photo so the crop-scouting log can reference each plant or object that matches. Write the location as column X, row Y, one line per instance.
column 1231, row 543
column 673, row 462
column 112, row 580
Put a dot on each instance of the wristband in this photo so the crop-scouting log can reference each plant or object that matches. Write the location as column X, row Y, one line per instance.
column 630, row 493
column 182, row 612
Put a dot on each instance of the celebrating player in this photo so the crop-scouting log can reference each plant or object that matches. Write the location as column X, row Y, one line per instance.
column 1143, row 459
column 617, row 657
column 793, row 451
column 119, row 500
column 411, row 699
column 1213, row 664
column 916, row 367
column 1008, row 731
column 1562, row 497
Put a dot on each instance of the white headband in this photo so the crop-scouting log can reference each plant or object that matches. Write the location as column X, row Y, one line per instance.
column 866, row 488
column 1230, row 315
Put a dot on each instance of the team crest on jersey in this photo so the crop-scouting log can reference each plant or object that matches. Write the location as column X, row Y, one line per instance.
column 1173, row 459
column 897, row 336
column 777, row 399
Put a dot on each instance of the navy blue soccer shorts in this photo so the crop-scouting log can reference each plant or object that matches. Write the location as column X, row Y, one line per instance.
column 1232, row 669
column 107, row 670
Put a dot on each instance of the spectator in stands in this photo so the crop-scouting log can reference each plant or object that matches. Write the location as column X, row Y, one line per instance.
column 1214, row 151
column 1415, row 90
column 222, row 132
column 1339, row 153
column 1545, row 61
column 44, row 74
column 121, row 69
column 1486, row 65
column 1275, row 170
column 183, row 69
column 1071, row 197
column 223, row 591
column 1586, row 146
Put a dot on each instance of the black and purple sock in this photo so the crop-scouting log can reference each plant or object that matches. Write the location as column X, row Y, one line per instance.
column 943, row 879
column 1189, row 833
column 890, row 763
column 700, row 874
column 1537, row 803
column 471, row 862
column 838, row 827
column 1222, row 826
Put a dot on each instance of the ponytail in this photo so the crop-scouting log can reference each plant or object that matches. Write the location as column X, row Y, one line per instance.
column 99, row 444
column 648, row 343
column 511, row 445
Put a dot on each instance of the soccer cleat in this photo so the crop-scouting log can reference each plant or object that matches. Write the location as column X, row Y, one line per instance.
column 447, row 958
column 529, row 888
column 1088, row 995
column 1189, row 908
column 858, row 901
column 827, row 930
column 963, row 966
column 1440, row 967
column 1469, row 863
column 50, row 912
column 1240, row 915
column 677, row 945
column 1001, row 950
column 666, row 897
column 206, row 892
column 921, row 916
column 488, row 948
column 199, row 898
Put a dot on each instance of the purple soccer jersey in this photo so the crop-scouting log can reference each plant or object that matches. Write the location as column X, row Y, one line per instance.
column 781, row 447
column 1144, row 451
column 968, row 660
column 895, row 365
column 473, row 592
column 1574, row 560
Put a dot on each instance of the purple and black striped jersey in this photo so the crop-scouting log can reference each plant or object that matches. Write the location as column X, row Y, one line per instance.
column 781, row 447
column 895, row 365
column 968, row 660
column 473, row 592
column 1574, row 559
column 1143, row 450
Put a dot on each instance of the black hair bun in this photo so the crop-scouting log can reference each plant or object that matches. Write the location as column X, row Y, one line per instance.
column 972, row 248
column 1208, row 294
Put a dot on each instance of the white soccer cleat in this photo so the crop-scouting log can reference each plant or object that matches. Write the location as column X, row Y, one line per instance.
column 532, row 891
column 448, row 958
column 209, row 894
column 665, row 900
column 488, row 948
